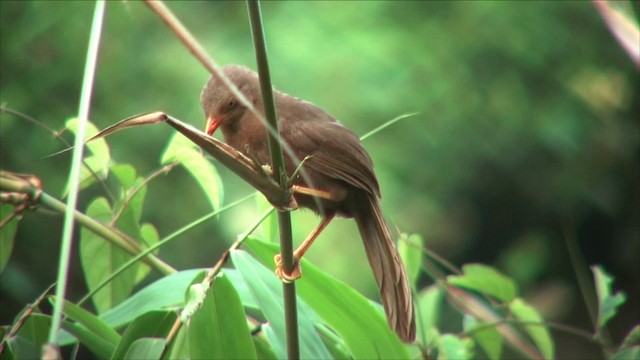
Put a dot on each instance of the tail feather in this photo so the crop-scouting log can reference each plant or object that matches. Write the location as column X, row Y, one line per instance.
column 388, row 270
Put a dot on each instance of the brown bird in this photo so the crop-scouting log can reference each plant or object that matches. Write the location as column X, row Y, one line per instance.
column 336, row 179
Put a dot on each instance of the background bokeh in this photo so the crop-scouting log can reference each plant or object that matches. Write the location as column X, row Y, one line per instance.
column 527, row 131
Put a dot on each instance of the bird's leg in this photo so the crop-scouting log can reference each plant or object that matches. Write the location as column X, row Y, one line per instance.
column 325, row 195
column 296, row 272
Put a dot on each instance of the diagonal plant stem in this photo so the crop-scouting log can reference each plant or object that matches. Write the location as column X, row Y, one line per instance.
column 51, row 349
column 277, row 159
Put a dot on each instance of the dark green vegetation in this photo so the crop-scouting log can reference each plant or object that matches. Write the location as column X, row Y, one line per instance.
column 526, row 140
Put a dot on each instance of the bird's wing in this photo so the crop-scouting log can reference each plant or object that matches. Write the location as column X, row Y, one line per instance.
column 335, row 151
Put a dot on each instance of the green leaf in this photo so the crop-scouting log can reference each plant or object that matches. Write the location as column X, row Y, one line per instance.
column 146, row 348
column 97, row 155
column 27, row 343
column 96, row 344
column 263, row 347
column 153, row 324
column 7, row 234
column 100, row 258
column 485, row 279
column 453, row 347
column 607, row 303
column 218, row 329
column 267, row 290
column 410, row 248
column 181, row 150
column 539, row 333
column 126, row 174
column 362, row 326
column 179, row 347
column 428, row 304
column 94, row 324
column 487, row 337
column 166, row 292
column 270, row 227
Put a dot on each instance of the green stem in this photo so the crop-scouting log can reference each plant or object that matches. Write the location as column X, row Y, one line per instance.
column 74, row 176
column 277, row 161
column 106, row 232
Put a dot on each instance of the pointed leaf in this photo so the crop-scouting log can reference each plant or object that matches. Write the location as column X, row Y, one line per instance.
column 27, row 344
column 218, row 329
column 90, row 321
column 181, row 150
column 146, row 348
column 362, row 326
column 487, row 280
column 96, row 344
column 100, row 258
column 608, row 303
column 429, row 302
column 487, row 337
column 153, row 324
column 267, row 290
column 539, row 333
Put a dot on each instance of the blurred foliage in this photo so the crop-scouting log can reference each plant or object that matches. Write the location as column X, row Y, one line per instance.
column 527, row 132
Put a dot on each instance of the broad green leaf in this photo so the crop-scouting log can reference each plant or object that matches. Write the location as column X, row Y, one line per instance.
column 608, row 303
column 7, row 234
column 126, row 175
column 539, row 333
column 267, row 290
column 410, row 248
column 485, row 279
column 90, row 321
column 277, row 345
column 97, row 155
column 263, row 347
column 428, row 304
column 27, row 344
column 154, row 324
column 218, row 329
column 96, row 344
column 146, row 348
column 179, row 347
column 487, row 337
column 166, row 292
column 453, row 347
column 181, row 150
column 362, row 326
column 100, row 258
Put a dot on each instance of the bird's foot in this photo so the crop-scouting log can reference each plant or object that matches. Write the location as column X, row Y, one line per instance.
column 294, row 275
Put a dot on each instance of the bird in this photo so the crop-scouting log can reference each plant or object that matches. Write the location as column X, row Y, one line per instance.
column 335, row 178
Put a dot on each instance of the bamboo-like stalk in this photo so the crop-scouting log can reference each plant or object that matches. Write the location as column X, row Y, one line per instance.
column 277, row 160
column 51, row 349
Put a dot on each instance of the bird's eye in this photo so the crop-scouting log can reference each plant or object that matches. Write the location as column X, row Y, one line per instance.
column 231, row 103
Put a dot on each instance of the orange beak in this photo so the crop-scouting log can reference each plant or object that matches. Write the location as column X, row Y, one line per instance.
column 212, row 125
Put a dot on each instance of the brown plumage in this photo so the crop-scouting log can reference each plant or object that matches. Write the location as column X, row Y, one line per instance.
column 338, row 165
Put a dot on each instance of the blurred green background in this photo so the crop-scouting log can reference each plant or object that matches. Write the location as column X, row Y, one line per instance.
column 527, row 131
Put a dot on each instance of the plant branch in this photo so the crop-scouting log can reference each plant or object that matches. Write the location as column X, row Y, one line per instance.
column 113, row 235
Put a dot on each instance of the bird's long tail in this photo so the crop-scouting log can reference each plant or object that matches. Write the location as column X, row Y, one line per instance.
column 388, row 270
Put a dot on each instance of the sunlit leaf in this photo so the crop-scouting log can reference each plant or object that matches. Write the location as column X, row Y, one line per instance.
column 428, row 305
column 453, row 347
column 487, row 280
column 362, row 326
column 487, row 337
column 539, row 333
column 181, row 150
column 608, row 303
column 267, row 289
column 218, row 329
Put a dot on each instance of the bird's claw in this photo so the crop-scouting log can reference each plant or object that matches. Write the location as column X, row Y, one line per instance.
column 295, row 274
